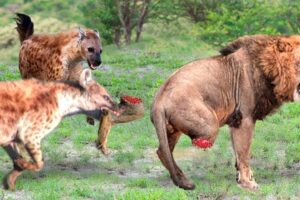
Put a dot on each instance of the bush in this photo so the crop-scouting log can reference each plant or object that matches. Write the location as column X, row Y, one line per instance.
column 230, row 21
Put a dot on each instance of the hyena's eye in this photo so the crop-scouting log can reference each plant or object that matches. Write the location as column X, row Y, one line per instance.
column 91, row 49
column 106, row 97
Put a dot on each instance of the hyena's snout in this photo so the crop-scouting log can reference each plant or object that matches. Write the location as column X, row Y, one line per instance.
column 110, row 105
column 97, row 59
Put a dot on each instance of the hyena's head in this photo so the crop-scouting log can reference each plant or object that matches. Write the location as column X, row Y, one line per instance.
column 91, row 48
column 95, row 96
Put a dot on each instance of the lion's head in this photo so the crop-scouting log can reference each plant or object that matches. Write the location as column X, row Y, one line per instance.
column 279, row 59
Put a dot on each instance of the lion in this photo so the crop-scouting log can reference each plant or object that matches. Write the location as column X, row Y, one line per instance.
column 251, row 78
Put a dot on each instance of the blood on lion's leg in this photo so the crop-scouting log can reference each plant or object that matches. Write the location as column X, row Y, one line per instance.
column 241, row 141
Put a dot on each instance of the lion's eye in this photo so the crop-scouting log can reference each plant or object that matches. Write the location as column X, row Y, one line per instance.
column 298, row 89
column 91, row 49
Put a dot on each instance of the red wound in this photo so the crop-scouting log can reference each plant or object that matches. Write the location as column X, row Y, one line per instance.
column 131, row 99
column 202, row 143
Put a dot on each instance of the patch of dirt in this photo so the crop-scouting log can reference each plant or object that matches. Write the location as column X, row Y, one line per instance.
column 141, row 71
column 188, row 153
column 16, row 195
column 293, row 171
column 113, row 187
column 72, row 159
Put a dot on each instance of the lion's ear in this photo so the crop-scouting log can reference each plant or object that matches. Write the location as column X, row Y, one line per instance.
column 233, row 46
column 283, row 45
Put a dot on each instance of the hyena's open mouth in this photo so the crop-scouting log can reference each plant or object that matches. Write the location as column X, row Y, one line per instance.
column 92, row 66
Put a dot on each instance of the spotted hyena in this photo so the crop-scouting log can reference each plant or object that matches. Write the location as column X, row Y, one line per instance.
column 30, row 109
column 56, row 56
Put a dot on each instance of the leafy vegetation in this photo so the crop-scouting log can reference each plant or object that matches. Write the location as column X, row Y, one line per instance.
column 75, row 169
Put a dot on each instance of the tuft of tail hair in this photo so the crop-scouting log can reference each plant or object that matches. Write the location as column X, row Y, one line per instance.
column 24, row 26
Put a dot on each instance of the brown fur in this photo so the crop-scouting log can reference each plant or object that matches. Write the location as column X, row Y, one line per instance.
column 30, row 109
column 252, row 77
column 56, row 57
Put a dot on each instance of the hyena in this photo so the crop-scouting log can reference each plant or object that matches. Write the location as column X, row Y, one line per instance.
column 56, row 56
column 30, row 109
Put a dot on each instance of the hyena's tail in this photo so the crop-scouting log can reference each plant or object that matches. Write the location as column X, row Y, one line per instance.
column 24, row 26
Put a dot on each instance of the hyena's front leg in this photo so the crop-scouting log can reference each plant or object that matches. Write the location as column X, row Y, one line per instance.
column 9, row 180
column 241, row 141
column 34, row 150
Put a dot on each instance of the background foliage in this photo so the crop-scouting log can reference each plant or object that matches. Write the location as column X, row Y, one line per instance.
column 216, row 22
column 175, row 32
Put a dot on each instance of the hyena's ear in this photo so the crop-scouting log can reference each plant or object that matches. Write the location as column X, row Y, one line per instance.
column 81, row 34
column 85, row 77
column 97, row 33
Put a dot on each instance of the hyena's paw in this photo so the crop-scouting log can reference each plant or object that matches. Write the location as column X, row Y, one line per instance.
column 90, row 121
column 105, row 151
column 8, row 184
column 9, row 181
column 23, row 164
column 102, row 148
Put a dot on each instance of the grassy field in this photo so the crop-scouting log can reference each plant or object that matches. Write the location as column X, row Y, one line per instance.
column 75, row 169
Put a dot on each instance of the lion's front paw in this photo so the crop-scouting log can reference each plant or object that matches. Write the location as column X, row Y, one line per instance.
column 250, row 185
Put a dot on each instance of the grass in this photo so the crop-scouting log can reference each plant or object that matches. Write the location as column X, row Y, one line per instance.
column 75, row 169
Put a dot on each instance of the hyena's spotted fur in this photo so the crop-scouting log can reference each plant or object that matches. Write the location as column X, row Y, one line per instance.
column 30, row 109
column 52, row 57
column 56, row 56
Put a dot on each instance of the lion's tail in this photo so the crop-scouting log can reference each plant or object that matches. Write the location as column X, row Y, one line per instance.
column 24, row 26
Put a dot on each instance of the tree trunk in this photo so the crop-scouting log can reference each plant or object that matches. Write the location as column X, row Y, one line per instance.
column 127, row 35
column 117, row 36
column 125, row 13
column 141, row 21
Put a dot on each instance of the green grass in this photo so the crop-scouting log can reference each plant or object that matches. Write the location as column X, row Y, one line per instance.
column 75, row 169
